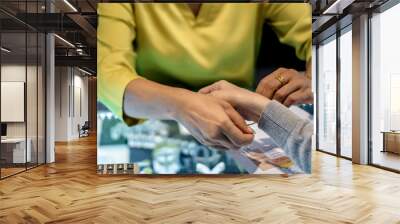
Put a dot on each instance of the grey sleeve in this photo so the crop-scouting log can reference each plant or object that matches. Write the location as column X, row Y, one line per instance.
column 290, row 132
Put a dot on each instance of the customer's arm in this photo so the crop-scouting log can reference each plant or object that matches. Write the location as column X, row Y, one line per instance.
column 212, row 121
column 286, row 128
column 289, row 131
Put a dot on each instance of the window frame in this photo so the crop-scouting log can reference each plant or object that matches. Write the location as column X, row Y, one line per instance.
column 379, row 10
column 334, row 37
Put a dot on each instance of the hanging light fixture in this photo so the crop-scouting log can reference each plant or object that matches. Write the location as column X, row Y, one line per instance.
column 70, row 5
column 64, row 40
column 5, row 50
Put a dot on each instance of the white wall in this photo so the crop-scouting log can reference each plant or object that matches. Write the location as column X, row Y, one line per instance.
column 81, row 100
column 16, row 73
column 71, row 94
column 61, row 114
column 13, row 73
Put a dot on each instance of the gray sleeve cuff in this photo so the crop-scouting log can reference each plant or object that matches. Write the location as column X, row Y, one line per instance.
column 279, row 122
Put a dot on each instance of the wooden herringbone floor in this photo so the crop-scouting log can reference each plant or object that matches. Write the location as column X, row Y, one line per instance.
column 69, row 191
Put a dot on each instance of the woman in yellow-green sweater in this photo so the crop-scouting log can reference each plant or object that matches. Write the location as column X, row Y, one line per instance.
column 151, row 57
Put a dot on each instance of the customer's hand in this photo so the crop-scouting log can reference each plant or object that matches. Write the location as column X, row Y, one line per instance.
column 247, row 103
column 287, row 86
column 212, row 121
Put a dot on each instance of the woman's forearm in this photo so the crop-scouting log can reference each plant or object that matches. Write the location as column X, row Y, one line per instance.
column 290, row 132
column 211, row 121
column 150, row 100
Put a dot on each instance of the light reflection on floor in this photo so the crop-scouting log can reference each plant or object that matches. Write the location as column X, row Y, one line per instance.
column 386, row 159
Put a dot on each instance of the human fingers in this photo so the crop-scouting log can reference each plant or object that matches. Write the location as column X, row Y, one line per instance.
column 208, row 89
column 214, row 142
column 226, row 143
column 235, row 135
column 282, row 93
column 238, row 120
column 219, row 140
column 214, row 87
column 227, row 96
column 295, row 98
column 270, row 83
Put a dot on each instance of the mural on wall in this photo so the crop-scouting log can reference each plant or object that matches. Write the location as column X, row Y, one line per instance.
column 177, row 92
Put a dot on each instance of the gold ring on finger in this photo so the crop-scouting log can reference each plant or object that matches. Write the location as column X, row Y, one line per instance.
column 281, row 79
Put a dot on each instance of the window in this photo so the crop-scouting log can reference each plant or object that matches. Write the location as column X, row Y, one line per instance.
column 346, row 93
column 327, row 96
column 22, row 78
column 385, row 89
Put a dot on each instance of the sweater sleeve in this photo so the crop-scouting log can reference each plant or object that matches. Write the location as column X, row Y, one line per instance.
column 292, row 24
column 290, row 132
column 116, row 57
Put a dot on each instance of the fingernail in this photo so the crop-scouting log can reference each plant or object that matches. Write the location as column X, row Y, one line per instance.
column 250, row 130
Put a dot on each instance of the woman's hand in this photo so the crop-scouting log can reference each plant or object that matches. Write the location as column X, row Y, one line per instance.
column 212, row 121
column 249, row 104
column 287, row 86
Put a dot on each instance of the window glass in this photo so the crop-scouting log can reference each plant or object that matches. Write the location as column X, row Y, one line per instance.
column 327, row 96
column 22, row 89
column 346, row 94
column 15, row 148
column 385, row 84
